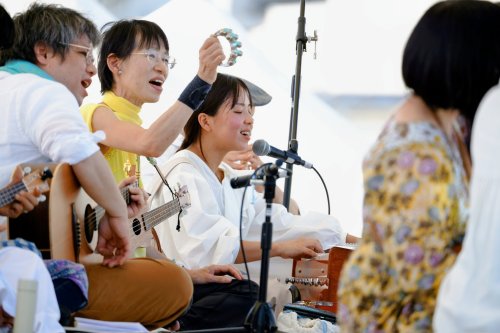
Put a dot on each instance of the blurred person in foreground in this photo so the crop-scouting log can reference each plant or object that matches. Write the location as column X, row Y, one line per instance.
column 416, row 175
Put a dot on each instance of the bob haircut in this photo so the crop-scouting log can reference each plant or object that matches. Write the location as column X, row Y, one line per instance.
column 121, row 38
column 452, row 57
column 55, row 25
column 224, row 88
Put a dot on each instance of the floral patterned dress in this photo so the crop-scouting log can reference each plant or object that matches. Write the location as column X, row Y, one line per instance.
column 415, row 209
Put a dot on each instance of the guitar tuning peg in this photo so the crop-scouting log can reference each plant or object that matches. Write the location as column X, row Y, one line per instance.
column 46, row 174
column 42, row 198
column 27, row 170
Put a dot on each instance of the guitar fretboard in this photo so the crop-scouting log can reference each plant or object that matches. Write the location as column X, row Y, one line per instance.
column 160, row 214
column 7, row 194
column 99, row 211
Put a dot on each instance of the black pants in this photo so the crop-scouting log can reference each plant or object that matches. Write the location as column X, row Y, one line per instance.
column 70, row 299
column 219, row 305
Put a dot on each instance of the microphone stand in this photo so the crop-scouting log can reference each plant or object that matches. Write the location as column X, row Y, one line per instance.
column 293, row 144
column 261, row 317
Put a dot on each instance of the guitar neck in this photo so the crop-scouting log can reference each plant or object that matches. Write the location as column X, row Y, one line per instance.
column 160, row 214
column 126, row 194
column 7, row 195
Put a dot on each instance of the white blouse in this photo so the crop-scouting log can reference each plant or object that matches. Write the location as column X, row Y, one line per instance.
column 469, row 297
column 41, row 123
column 209, row 231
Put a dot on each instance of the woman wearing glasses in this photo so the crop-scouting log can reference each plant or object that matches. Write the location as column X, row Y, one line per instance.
column 134, row 63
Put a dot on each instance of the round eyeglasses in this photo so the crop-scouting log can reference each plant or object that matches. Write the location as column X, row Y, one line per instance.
column 155, row 56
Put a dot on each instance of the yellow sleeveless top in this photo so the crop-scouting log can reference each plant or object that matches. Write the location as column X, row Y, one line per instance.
column 123, row 164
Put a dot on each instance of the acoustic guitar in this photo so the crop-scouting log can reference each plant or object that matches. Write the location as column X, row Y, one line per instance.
column 65, row 225
column 50, row 224
column 30, row 181
column 141, row 227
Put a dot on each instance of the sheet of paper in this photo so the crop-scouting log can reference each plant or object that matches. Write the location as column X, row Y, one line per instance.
column 91, row 325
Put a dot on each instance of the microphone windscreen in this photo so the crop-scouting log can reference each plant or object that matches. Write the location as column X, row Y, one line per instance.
column 261, row 148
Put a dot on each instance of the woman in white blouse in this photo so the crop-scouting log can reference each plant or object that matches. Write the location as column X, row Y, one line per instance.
column 209, row 230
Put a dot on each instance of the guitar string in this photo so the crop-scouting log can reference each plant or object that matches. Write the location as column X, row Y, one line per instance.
column 99, row 210
column 10, row 192
column 156, row 215
column 163, row 216
column 157, row 212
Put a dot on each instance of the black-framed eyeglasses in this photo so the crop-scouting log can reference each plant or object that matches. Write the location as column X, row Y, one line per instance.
column 155, row 56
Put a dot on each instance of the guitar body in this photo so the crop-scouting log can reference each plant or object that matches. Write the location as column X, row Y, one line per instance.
column 88, row 213
column 65, row 225
column 51, row 225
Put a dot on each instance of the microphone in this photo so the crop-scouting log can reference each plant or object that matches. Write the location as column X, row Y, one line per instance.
column 262, row 148
column 257, row 179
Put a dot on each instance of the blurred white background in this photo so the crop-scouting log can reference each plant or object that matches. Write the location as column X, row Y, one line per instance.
column 346, row 94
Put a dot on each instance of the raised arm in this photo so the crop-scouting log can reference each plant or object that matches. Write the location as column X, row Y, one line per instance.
column 154, row 140
column 289, row 249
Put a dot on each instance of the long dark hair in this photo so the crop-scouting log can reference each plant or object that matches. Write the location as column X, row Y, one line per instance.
column 224, row 88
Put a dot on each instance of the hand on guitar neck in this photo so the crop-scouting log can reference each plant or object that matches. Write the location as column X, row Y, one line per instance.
column 141, row 219
column 23, row 193
column 137, row 198
column 136, row 204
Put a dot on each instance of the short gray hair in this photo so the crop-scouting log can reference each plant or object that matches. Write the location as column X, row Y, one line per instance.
column 52, row 24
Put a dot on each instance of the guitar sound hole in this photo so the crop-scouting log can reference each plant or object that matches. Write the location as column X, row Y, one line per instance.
column 136, row 226
column 90, row 223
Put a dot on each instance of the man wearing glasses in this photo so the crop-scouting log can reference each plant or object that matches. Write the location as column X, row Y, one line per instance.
column 43, row 81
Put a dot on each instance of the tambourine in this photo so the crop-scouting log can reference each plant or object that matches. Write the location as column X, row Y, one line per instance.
column 233, row 42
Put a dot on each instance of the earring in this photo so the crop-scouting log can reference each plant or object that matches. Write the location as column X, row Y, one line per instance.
column 120, row 72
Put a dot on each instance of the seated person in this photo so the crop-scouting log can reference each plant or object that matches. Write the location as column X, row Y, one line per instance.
column 43, row 80
column 134, row 63
column 209, row 231
column 18, row 263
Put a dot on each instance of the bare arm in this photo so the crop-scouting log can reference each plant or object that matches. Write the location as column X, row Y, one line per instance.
column 278, row 198
column 154, row 140
column 214, row 274
column 96, row 178
column 350, row 239
column 291, row 249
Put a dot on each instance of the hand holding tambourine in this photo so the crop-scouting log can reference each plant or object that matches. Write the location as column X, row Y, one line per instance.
column 234, row 43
